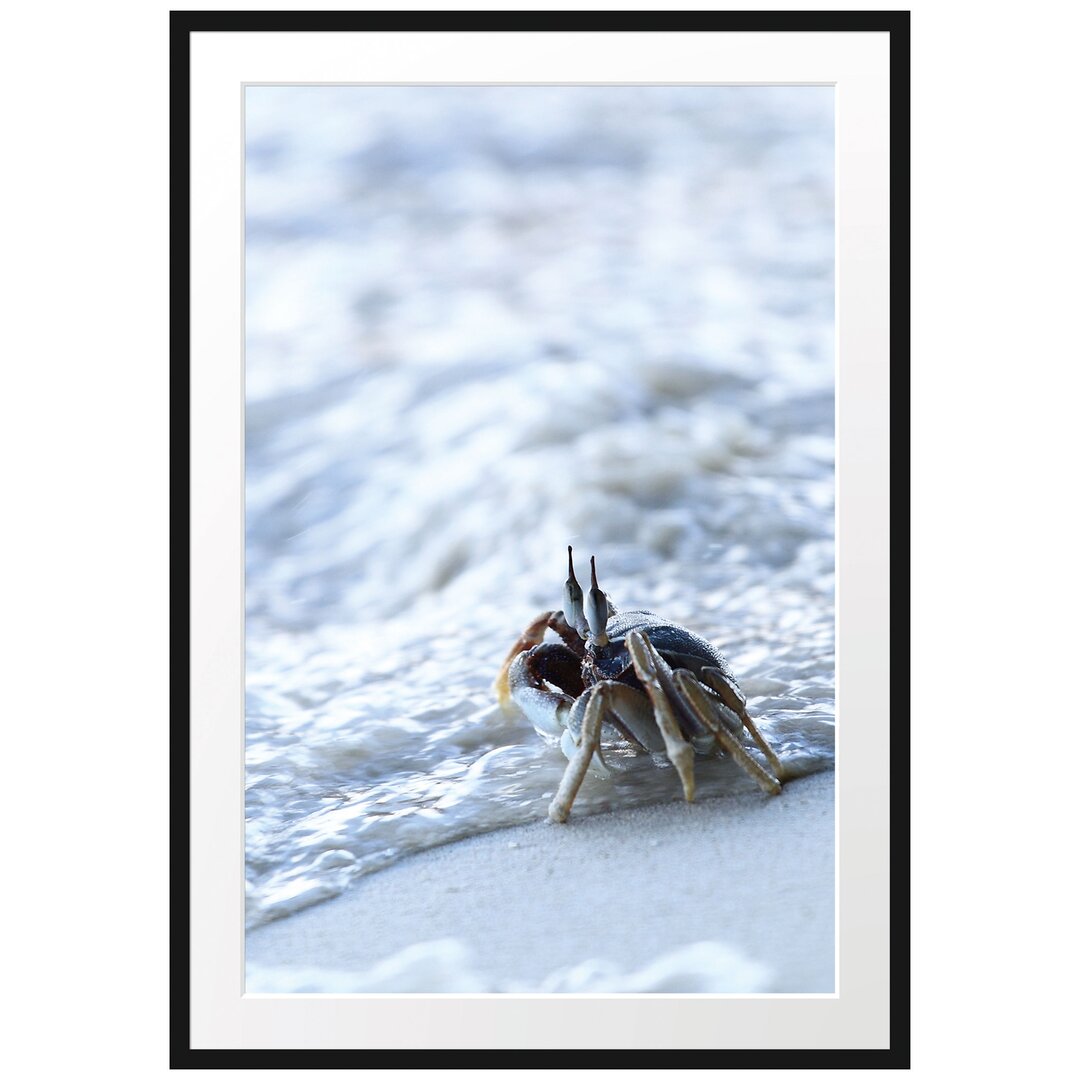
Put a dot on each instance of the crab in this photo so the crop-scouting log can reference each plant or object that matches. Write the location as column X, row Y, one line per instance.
column 633, row 678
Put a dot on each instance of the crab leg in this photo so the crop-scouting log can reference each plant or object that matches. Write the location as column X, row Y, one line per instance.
column 559, row 809
column 656, row 676
column 714, row 679
column 627, row 710
column 694, row 695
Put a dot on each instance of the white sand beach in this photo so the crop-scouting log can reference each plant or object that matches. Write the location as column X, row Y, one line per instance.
column 730, row 895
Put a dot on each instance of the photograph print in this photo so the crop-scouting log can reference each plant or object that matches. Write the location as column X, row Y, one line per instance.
column 539, row 539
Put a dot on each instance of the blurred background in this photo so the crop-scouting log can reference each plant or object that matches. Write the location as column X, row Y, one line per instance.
column 483, row 323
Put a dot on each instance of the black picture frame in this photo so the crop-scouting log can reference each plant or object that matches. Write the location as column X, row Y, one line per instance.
column 183, row 24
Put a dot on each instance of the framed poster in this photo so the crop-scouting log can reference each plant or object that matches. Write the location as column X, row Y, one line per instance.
column 452, row 294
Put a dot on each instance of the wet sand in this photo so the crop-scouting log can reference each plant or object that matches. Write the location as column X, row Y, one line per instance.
column 730, row 895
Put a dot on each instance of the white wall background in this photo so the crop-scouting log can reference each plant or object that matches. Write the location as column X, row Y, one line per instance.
column 83, row 436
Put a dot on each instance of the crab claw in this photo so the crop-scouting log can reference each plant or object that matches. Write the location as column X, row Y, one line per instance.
column 573, row 611
column 596, row 609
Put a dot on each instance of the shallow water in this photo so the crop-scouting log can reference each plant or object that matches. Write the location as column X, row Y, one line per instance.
column 483, row 323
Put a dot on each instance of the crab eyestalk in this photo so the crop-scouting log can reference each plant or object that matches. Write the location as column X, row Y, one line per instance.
column 573, row 610
column 596, row 610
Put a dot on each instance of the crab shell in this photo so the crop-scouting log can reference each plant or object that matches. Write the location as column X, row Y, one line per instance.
column 680, row 647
